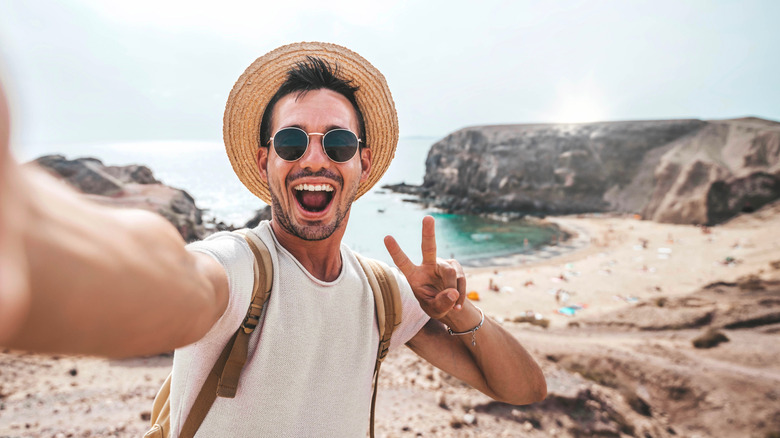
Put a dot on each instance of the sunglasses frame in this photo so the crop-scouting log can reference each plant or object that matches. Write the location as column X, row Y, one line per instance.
column 308, row 142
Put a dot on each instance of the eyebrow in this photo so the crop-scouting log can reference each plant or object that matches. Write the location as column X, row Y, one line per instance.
column 332, row 127
column 329, row 128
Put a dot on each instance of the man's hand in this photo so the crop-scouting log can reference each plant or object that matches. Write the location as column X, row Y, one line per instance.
column 496, row 363
column 439, row 285
column 14, row 290
column 79, row 277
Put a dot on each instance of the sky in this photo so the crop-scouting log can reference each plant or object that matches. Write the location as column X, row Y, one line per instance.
column 80, row 71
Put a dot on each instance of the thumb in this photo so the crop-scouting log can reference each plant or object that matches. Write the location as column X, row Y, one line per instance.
column 445, row 300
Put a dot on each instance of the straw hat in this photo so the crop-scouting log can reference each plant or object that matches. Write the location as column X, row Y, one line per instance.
column 254, row 89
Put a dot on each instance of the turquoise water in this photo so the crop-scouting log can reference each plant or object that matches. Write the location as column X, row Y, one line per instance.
column 202, row 169
column 463, row 237
column 474, row 237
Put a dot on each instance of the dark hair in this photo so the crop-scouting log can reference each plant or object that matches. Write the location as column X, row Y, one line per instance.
column 312, row 74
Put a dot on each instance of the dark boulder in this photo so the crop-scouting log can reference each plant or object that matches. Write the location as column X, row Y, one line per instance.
column 87, row 175
column 131, row 186
column 263, row 214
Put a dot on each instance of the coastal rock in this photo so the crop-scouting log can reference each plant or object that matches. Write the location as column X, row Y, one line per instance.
column 728, row 167
column 263, row 214
column 87, row 175
column 133, row 173
column 407, row 189
column 131, row 186
column 678, row 171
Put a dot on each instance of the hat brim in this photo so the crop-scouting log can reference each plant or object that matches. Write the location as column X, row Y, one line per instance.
column 260, row 81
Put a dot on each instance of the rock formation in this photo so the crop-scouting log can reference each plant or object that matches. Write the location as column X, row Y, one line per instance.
column 678, row 171
column 263, row 214
column 131, row 186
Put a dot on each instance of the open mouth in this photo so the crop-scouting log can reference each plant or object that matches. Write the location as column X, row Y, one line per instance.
column 313, row 197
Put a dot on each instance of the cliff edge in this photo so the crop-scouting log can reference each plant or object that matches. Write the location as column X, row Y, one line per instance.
column 677, row 171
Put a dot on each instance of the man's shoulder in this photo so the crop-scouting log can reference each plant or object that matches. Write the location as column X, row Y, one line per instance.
column 227, row 247
column 394, row 274
column 220, row 237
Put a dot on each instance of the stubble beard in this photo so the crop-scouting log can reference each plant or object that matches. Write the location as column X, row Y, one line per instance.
column 310, row 232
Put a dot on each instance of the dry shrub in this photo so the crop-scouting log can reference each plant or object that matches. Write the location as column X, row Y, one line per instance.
column 750, row 282
column 710, row 339
column 543, row 322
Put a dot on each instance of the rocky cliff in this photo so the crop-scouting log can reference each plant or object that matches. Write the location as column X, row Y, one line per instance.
column 131, row 186
column 679, row 171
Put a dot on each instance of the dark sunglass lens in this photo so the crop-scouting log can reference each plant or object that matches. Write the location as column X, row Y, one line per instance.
column 290, row 143
column 340, row 145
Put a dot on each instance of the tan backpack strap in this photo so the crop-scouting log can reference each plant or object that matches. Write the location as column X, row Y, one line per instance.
column 228, row 381
column 389, row 311
column 224, row 375
column 161, row 412
column 207, row 394
column 373, row 397
column 387, row 298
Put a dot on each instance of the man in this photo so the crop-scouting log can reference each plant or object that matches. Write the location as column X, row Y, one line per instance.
column 309, row 128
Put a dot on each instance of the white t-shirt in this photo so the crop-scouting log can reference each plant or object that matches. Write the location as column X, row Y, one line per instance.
column 311, row 360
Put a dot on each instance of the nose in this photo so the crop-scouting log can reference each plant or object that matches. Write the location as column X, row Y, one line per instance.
column 315, row 157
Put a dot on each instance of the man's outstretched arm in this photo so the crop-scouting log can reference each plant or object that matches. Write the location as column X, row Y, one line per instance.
column 495, row 363
column 77, row 277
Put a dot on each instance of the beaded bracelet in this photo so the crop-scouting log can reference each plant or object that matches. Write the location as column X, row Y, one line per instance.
column 472, row 331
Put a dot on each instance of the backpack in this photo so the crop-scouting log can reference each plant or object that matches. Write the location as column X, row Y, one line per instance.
column 222, row 381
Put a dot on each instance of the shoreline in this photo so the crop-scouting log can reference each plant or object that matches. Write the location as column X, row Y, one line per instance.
column 577, row 239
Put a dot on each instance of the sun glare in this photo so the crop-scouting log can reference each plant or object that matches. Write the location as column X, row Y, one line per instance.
column 578, row 103
column 579, row 110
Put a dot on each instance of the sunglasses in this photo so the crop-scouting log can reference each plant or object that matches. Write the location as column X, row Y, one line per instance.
column 291, row 143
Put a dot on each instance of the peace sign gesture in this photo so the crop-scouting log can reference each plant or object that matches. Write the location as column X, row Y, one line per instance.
column 439, row 285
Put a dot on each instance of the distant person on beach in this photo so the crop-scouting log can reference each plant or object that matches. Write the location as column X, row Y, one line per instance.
column 309, row 128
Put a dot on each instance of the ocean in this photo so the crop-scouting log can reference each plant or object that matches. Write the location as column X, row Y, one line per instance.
column 203, row 170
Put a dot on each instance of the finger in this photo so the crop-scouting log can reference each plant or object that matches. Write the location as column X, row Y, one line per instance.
column 14, row 273
column 398, row 255
column 14, row 288
column 445, row 300
column 448, row 274
column 461, row 282
column 5, row 129
column 462, row 291
column 428, row 241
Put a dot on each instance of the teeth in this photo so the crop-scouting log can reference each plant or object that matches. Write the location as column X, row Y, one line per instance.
column 314, row 187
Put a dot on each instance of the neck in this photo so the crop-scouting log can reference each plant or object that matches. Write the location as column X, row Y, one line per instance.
column 322, row 258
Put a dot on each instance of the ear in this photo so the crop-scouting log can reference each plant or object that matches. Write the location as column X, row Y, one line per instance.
column 365, row 163
column 262, row 162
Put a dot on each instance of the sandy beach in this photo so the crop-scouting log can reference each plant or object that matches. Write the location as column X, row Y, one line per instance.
column 615, row 260
column 620, row 362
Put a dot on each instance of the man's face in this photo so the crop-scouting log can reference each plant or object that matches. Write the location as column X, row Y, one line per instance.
column 311, row 197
